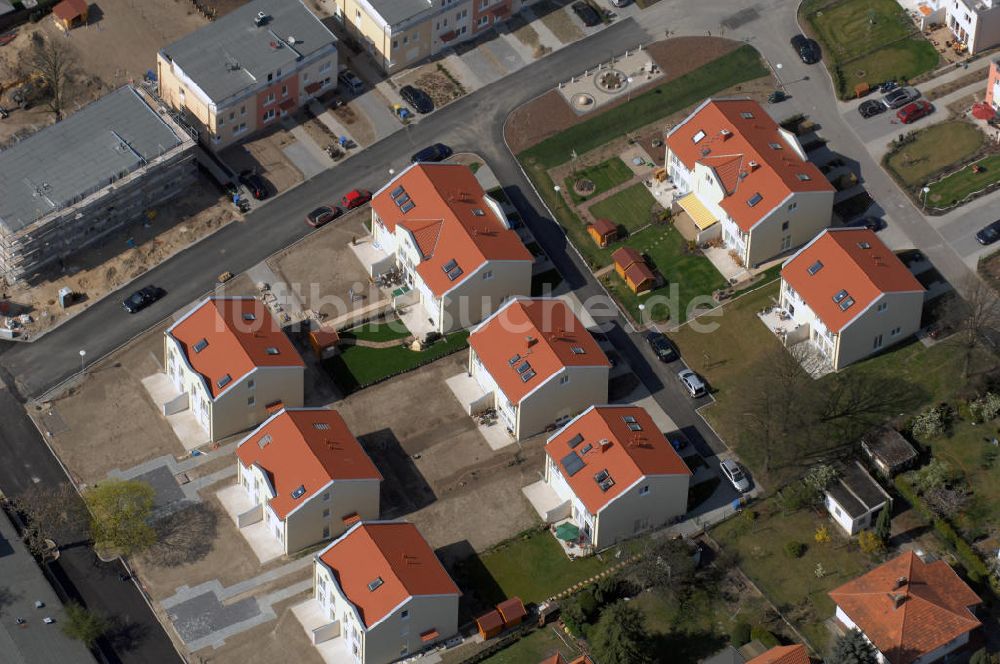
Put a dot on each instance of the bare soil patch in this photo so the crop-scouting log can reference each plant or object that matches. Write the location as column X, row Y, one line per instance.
column 124, row 255
column 440, row 88
column 559, row 21
column 280, row 641
column 264, row 154
column 549, row 114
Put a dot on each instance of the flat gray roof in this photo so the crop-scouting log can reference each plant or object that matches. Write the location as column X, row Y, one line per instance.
column 231, row 53
column 22, row 583
column 62, row 164
column 856, row 491
column 394, row 12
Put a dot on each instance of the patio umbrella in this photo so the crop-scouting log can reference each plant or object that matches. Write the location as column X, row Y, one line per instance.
column 983, row 111
column 567, row 531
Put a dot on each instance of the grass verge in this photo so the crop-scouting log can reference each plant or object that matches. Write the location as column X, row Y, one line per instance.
column 932, row 150
column 605, row 175
column 955, row 188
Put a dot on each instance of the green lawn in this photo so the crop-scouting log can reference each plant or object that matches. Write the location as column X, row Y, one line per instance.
column 742, row 64
column 629, row 208
column 355, row 367
column 792, row 582
column 953, row 189
column 933, row 149
column 389, row 330
column 691, row 632
column 963, row 451
column 727, row 354
column 604, row 175
column 532, row 567
column 869, row 41
column 687, row 276
column 855, row 27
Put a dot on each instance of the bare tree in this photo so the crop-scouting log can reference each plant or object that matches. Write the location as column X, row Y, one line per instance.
column 54, row 513
column 978, row 318
column 51, row 62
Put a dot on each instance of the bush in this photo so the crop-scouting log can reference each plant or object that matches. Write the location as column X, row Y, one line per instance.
column 986, row 407
column 870, row 543
column 796, row 496
column 819, row 477
column 764, row 635
column 988, row 457
column 935, row 475
column 822, row 535
column 795, row 549
column 931, row 423
column 740, row 634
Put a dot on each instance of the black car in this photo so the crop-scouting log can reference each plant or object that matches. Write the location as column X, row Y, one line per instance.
column 436, row 152
column 323, row 215
column 777, row 97
column 871, row 108
column 807, row 49
column 990, row 234
column 417, row 98
column 254, row 183
column 871, row 223
column 587, row 14
column 661, row 346
column 142, row 298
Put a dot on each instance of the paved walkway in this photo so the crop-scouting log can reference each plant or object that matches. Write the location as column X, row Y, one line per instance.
column 305, row 154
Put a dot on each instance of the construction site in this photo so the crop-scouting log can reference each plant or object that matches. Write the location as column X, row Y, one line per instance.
column 70, row 184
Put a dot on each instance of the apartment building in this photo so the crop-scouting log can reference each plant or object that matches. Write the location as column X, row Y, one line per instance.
column 246, row 70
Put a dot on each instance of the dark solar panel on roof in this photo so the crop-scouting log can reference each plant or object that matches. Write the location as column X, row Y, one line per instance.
column 572, row 463
column 575, row 440
column 397, row 192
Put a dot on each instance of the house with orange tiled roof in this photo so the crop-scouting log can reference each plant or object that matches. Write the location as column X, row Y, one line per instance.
column 848, row 296
column 383, row 593
column 736, row 170
column 456, row 248
column 614, row 475
column 793, row 654
column 231, row 364
column 911, row 611
column 536, row 364
column 559, row 659
column 306, row 478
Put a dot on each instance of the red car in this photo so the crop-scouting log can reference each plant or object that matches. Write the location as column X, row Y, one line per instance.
column 356, row 198
column 915, row 111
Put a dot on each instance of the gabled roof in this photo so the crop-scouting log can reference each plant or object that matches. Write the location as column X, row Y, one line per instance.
column 626, row 256
column 444, row 208
column 68, row 10
column 232, row 53
column 232, row 336
column 857, row 492
column 735, row 139
column 907, row 607
column 542, row 332
column 613, row 445
column 302, row 450
column 842, row 271
column 379, row 565
column 604, row 226
column 793, row 654
column 889, row 446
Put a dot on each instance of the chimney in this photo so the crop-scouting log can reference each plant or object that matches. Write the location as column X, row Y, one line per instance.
column 900, row 582
column 754, row 165
column 726, row 134
column 604, row 444
column 530, row 340
column 897, row 600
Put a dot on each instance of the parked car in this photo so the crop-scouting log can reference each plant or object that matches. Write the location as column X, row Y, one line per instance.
column 990, row 234
column 913, row 112
column 323, row 215
column 693, row 383
column 661, row 346
column 777, row 97
column 735, row 475
column 871, row 223
column 587, row 13
column 900, row 97
column 807, row 49
column 351, row 81
column 619, row 3
column 417, row 98
column 142, row 298
column 888, row 86
column 436, row 152
column 677, row 440
column 254, row 183
column 355, row 198
column 871, row 108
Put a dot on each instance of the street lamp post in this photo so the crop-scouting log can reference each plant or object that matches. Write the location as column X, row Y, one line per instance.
column 629, row 81
column 83, row 354
column 925, row 190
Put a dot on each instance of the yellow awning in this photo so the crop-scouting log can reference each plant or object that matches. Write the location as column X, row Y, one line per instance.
column 699, row 214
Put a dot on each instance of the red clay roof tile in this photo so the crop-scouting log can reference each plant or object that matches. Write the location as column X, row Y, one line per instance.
column 793, row 654
column 553, row 330
column 850, row 259
column 935, row 606
column 394, row 552
column 306, row 447
column 627, row 456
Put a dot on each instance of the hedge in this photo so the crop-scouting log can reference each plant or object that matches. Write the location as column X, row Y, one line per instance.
column 974, row 566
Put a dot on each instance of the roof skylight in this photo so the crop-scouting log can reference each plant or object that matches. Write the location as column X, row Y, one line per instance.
column 201, row 345
column 815, row 267
column 753, row 200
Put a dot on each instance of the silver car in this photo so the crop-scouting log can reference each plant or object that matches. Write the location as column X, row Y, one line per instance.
column 693, row 383
column 900, row 97
column 735, row 475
